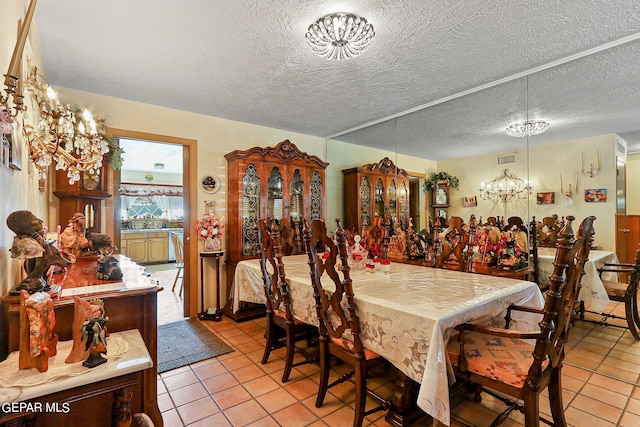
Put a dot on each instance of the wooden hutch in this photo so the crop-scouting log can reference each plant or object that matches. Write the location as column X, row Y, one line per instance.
column 375, row 190
column 278, row 182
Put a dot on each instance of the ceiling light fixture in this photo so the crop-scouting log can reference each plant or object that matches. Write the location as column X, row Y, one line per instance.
column 528, row 128
column 340, row 35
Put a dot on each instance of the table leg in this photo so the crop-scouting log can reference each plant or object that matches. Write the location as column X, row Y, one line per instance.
column 218, row 316
column 121, row 411
column 404, row 411
column 202, row 314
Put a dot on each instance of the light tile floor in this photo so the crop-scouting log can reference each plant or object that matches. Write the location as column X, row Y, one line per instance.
column 236, row 390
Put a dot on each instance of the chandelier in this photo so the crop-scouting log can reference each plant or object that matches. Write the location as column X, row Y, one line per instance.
column 528, row 128
column 504, row 188
column 76, row 145
column 340, row 36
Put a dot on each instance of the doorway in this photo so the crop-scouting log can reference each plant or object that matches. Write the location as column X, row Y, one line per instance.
column 158, row 215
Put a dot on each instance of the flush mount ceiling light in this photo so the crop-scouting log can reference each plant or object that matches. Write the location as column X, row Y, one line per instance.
column 528, row 128
column 340, row 36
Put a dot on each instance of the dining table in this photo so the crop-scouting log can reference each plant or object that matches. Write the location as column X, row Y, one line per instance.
column 408, row 314
column 593, row 292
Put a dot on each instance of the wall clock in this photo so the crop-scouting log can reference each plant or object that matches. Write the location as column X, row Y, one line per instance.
column 210, row 184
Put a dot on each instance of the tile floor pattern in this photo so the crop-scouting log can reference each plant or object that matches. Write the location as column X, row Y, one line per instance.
column 236, row 390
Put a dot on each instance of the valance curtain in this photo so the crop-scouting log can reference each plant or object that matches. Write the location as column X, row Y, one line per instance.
column 148, row 190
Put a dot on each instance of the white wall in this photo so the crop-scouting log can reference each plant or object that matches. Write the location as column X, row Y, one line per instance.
column 18, row 189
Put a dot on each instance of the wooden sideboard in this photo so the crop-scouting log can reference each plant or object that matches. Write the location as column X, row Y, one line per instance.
column 133, row 307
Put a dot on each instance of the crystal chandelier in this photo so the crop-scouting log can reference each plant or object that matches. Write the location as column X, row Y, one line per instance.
column 340, row 36
column 504, row 188
column 528, row 128
column 76, row 145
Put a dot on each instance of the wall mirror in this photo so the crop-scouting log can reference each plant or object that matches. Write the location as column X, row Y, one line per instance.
column 588, row 130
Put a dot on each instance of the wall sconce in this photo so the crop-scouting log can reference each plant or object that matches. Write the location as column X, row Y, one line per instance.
column 592, row 171
column 504, row 188
column 75, row 143
column 568, row 195
column 13, row 88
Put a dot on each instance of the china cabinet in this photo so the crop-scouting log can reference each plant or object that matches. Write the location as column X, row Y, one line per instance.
column 281, row 183
column 375, row 190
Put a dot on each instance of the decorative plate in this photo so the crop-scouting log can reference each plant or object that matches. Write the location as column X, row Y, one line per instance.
column 210, row 184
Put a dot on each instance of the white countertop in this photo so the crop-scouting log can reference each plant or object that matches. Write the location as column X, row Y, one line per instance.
column 136, row 358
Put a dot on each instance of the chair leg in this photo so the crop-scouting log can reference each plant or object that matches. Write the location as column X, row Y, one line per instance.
column 270, row 337
column 636, row 315
column 291, row 350
column 630, row 309
column 324, row 373
column 532, row 409
column 173, row 288
column 361, row 393
column 555, row 398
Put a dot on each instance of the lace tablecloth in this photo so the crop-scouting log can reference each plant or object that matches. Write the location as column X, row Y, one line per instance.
column 407, row 316
column 593, row 292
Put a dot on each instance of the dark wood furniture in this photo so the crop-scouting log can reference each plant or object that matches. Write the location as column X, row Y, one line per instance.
column 217, row 316
column 278, row 182
column 134, row 308
column 626, row 292
column 454, row 241
column 63, row 400
column 334, row 319
column 278, row 301
column 375, row 190
column 85, row 196
column 547, row 231
column 530, row 369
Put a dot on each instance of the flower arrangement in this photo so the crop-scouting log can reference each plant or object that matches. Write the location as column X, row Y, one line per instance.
column 208, row 227
column 436, row 177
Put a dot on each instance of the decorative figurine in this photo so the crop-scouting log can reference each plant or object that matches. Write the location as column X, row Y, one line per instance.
column 30, row 244
column 73, row 240
column 37, row 340
column 83, row 311
column 109, row 269
column 95, row 333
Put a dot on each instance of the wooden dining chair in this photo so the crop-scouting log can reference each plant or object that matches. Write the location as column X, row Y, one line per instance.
column 280, row 318
column 177, row 247
column 626, row 292
column 454, row 243
column 499, row 360
column 338, row 321
column 548, row 231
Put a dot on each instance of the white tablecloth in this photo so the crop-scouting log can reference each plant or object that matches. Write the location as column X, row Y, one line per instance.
column 593, row 292
column 408, row 315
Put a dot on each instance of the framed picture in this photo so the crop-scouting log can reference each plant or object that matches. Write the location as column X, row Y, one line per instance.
column 441, row 213
column 595, row 195
column 441, row 196
column 470, row 201
column 546, row 198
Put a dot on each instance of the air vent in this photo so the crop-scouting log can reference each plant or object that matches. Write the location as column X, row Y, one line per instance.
column 506, row 158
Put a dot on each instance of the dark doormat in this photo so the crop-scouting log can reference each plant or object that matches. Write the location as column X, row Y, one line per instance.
column 185, row 342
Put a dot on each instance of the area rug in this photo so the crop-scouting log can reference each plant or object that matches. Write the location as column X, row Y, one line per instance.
column 185, row 342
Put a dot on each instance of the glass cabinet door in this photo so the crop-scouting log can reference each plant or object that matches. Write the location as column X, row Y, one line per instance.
column 250, row 210
column 365, row 201
column 393, row 199
column 274, row 195
column 379, row 199
column 296, row 202
column 404, row 204
column 316, row 196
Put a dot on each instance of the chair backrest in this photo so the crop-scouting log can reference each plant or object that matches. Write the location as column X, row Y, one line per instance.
column 334, row 318
column 547, row 231
column 632, row 289
column 291, row 237
column 374, row 234
column 454, row 240
column 177, row 247
column 276, row 289
column 571, row 255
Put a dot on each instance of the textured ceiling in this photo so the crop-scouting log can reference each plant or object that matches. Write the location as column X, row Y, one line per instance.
column 248, row 61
